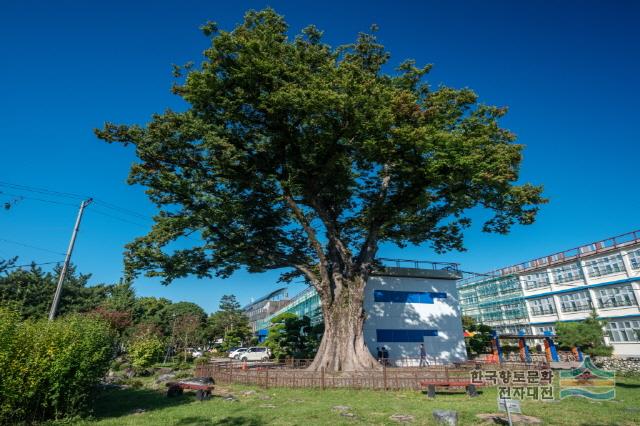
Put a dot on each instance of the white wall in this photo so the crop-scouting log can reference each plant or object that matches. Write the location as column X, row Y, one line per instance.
column 443, row 315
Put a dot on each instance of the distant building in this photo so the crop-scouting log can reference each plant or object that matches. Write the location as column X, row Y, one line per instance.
column 533, row 296
column 264, row 307
column 404, row 307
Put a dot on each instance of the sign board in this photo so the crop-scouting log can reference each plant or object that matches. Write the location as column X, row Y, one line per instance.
column 512, row 404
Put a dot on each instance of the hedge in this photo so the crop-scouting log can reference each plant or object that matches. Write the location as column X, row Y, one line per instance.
column 50, row 370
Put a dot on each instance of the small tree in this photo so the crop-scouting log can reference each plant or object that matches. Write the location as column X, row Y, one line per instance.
column 587, row 335
column 480, row 341
column 291, row 336
column 144, row 351
column 229, row 323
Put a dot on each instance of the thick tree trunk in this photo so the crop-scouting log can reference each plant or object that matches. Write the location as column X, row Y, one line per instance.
column 343, row 347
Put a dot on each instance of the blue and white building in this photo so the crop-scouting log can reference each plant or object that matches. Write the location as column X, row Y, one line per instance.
column 404, row 306
column 567, row 286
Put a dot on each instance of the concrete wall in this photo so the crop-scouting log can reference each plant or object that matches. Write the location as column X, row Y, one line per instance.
column 442, row 315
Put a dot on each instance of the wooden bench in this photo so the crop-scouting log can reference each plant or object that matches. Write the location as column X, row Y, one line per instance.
column 202, row 385
column 453, row 383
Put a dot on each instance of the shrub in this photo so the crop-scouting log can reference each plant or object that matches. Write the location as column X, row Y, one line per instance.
column 145, row 351
column 50, row 369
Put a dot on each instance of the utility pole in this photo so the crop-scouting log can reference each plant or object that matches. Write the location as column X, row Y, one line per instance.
column 67, row 260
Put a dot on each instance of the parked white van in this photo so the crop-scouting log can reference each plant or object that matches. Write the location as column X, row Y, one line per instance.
column 255, row 354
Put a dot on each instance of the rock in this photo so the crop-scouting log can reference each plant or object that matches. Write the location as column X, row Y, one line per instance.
column 446, row 417
column 165, row 377
column 268, row 406
column 139, row 411
column 130, row 373
column 502, row 419
column 229, row 397
column 347, row 414
column 249, row 392
column 341, row 408
column 629, row 365
column 402, row 418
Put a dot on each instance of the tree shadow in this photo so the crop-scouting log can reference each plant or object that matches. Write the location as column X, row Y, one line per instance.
column 238, row 421
column 122, row 402
column 628, row 385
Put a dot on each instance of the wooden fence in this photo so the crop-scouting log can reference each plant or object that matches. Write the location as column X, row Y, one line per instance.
column 387, row 378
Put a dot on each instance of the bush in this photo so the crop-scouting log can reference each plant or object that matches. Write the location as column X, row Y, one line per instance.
column 145, row 351
column 50, row 369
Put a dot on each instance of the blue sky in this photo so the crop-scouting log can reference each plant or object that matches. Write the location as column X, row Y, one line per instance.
column 568, row 71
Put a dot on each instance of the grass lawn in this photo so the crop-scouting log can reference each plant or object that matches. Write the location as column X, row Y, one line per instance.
column 314, row 407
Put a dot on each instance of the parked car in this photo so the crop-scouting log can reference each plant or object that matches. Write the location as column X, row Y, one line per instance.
column 255, row 354
column 235, row 354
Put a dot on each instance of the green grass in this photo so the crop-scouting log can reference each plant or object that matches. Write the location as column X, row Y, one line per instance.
column 314, row 407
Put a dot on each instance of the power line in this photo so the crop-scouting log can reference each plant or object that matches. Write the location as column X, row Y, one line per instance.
column 68, row 195
column 41, row 190
column 33, row 264
column 118, row 218
column 28, row 197
column 30, row 246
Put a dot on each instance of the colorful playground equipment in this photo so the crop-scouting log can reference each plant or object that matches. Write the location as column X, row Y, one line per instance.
column 550, row 350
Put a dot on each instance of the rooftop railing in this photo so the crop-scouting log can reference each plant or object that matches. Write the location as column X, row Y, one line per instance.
column 419, row 264
column 601, row 246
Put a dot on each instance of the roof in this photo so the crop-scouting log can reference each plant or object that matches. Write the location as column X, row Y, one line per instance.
column 265, row 298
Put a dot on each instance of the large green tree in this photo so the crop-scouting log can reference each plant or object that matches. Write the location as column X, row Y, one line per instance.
column 298, row 156
column 229, row 323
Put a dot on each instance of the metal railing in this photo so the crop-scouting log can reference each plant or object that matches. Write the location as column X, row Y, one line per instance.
column 419, row 264
column 601, row 246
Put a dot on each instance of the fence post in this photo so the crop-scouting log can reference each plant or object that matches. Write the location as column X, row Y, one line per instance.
column 322, row 377
column 266, row 378
column 384, row 376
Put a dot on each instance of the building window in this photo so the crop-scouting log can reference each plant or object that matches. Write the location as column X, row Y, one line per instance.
column 613, row 297
column 547, row 328
column 406, row 296
column 624, row 331
column 567, row 273
column 542, row 306
column 604, row 266
column 634, row 258
column 575, row 302
column 403, row 335
column 537, row 280
column 514, row 310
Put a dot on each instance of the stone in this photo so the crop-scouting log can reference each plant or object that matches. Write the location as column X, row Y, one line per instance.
column 230, row 397
column 165, row 377
column 139, row 411
column 445, row 417
column 402, row 418
column 130, row 373
column 341, row 407
column 347, row 414
column 268, row 406
column 502, row 419
column 248, row 392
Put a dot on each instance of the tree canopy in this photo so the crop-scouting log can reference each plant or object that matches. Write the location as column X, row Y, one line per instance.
column 295, row 155
column 282, row 133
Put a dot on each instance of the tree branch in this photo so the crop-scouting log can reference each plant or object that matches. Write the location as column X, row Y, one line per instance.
column 334, row 236
column 311, row 234
column 368, row 250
